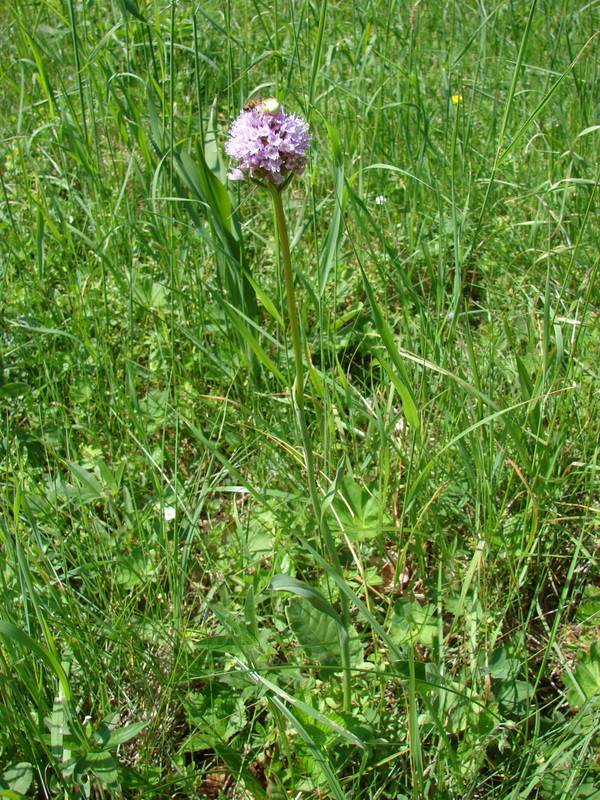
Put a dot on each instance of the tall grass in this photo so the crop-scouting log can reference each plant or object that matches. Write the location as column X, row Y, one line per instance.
column 444, row 241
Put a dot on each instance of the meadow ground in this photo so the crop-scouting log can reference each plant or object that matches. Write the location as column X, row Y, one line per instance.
column 185, row 610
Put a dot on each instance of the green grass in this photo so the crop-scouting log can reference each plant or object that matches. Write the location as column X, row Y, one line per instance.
column 141, row 370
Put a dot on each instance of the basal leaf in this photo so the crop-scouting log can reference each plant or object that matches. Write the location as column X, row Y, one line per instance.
column 356, row 510
column 318, row 635
column 17, row 778
column 585, row 681
column 316, row 632
column 285, row 583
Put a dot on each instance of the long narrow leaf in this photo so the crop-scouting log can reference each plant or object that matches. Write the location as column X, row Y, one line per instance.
column 330, row 250
column 10, row 631
column 398, row 374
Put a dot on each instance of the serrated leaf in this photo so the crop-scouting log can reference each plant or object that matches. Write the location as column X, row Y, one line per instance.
column 499, row 666
column 588, row 610
column 316, row 632
column 150, row 294
column 285, row 583
column 214, row 715
column 318, row 635
column 356, row 511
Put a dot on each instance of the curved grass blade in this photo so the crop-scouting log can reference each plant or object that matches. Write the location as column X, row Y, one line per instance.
column 396, row 373
column 10, row 631
column 329, row 253
column 285, row 583
column 304, row 707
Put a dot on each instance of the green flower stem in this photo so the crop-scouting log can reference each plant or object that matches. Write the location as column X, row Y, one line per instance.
column 298, row 401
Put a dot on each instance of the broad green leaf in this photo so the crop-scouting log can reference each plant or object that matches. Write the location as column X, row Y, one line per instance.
column 285, row 583
column 356, row 511
column 16, row 779
column 584, row 684
column 102, row 733
column 108, row 735
column 316, row 632
column 318, row 635
column 14, row 389
column 104, row 768
column 135, row 568
column 124, row 734
column 214, row 714
column 90, row 484
column 513, row 696
column 220, row 644
column 414, row 622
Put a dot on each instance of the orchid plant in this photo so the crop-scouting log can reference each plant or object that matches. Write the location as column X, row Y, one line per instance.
column 269, row 147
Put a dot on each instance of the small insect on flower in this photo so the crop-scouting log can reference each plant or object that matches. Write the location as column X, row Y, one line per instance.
column 268, row 106
column 268, row 145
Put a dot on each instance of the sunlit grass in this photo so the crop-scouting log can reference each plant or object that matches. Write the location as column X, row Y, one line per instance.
column 444, row 238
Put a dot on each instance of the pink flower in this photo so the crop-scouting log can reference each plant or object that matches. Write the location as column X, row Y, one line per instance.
column 268, row 144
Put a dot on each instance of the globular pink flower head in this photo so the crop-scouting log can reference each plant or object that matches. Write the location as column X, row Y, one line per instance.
column 267, row 144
